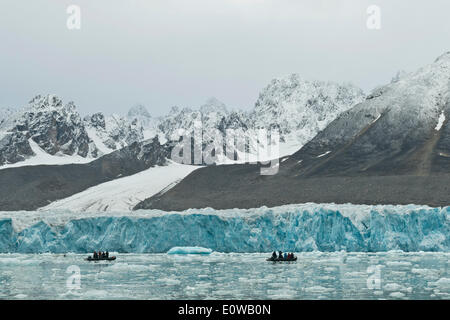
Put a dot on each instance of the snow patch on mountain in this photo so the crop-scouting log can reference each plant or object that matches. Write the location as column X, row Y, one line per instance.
column 323, row 154
column 43, row 158
column 441, row 121
column 124, row 193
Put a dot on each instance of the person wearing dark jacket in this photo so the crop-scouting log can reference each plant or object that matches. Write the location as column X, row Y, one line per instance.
column 280, row 255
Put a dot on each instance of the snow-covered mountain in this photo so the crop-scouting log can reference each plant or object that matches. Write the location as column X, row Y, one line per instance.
column 301, row 108
column 391, row 141
column 5, row 113
column 401, row 128
column 47, row 131
column 112, row 132
column 54, row 127
column 297, row 107
column 140, row 113
column 392, row 148
column 181, row 121
column 142, row 117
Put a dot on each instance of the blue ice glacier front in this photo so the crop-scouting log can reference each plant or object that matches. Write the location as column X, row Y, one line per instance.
column 305, row 227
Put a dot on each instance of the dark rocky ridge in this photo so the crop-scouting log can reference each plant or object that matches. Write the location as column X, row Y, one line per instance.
column 205, row 188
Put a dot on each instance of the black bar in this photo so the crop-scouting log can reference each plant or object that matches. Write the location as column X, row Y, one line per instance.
column 226, row 309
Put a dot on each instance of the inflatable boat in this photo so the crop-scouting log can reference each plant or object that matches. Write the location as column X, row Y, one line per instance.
column 100, row 259
column 281, row 260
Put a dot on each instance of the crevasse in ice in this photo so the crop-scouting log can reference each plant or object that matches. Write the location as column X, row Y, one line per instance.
column 306, row 227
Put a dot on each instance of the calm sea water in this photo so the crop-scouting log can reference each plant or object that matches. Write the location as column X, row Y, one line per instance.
column 316, row 275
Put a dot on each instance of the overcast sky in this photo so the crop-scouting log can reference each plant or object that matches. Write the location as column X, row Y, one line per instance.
column 180, row 52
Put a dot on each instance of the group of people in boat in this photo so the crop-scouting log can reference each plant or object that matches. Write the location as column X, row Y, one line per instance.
column 283, row 256
column 101, row 255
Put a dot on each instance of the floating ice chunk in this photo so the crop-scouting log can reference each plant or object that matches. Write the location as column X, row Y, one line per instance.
column 355, row 274
column 397, row 295
column 425, row 272
column 443, row 283
column 392, row 287
column 169, row 281
column 96, row 294
column 281, row 293
column 318, row 289
column 398, row 263
column 189, row 250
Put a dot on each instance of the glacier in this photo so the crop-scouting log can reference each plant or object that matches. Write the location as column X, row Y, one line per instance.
column 297, row 228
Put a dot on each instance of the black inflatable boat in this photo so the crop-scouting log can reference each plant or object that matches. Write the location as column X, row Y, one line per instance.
column 100, row 259
column 281, row 260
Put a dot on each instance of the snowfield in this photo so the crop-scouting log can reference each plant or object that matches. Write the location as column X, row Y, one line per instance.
column 43, row 158
column 124, row 193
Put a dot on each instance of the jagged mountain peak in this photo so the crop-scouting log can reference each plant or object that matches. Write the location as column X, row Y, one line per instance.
column 174, row 109
column 48, row 106
column 212, row 104
column 422, row 93
column 138, row 111
column 5, row 113
column 114, row 131
column 300, row 108
column 399, row 75
column 182, row 120
column 48, row 125
column 47, row 101
column 96, row 120
column 298, row 92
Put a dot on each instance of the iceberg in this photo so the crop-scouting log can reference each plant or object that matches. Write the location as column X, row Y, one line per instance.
column 296, row 228
column 189, row 250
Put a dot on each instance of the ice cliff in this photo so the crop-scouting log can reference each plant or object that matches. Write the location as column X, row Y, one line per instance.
column 306, row 227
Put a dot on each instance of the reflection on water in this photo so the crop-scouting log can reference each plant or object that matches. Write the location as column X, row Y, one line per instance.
column 316, row 275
